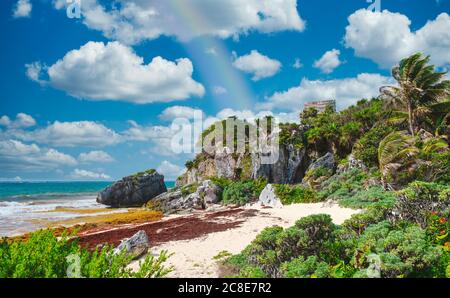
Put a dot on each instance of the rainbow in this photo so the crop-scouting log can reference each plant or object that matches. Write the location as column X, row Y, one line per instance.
column 216, row 70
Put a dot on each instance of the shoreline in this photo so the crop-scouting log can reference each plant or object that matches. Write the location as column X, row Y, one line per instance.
column 197, row 240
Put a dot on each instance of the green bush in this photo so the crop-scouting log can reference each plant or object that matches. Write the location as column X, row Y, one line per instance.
column 344, row 185
column 294, row 194
column 309, row 268
column 189, row 189
column 242, row 192
column 403, row 251
column 359, row 222
column 375, row 196
column 366, row 148
column 311, row 236
column 45, row 256
column 419, row 200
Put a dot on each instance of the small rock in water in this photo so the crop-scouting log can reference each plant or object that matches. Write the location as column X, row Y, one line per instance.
column 136, row 246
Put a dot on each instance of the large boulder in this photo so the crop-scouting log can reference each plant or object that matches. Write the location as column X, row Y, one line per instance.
column 133, row 191
column 135, row 246
column 268, row 197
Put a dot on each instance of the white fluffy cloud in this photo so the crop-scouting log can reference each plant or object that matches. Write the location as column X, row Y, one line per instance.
column 169, row 170
column 112, row 71
column 345, row 91
column 95, row 156
column 22, row 121
column 386, row 37
column 132, row 21
column 22, row 9
column 89, row 175
column 329, row 61
column 71, row 134
column 174, row 112
column 258, row 65
column 15, row 155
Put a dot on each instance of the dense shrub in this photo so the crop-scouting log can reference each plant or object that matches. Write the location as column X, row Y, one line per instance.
column 311, row 236
column 343, row 185
column 243, row 192
column 45, row 256
column 366, row 148
column 374, row 196
column 292, row 194
column 419, row 200
column 401, row 251
column 309, row 268
column 359, row 222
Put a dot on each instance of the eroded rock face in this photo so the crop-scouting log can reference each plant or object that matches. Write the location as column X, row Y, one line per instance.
column 269, row 198
column 133, row 191
column 136, row 246
column 209, row 192
column 174, row 201
column 326, row 161
column 286, row 170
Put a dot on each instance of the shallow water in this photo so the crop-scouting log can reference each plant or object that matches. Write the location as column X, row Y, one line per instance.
column 23, row 205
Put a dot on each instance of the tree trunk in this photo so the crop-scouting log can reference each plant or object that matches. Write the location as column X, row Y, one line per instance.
column 411, row 120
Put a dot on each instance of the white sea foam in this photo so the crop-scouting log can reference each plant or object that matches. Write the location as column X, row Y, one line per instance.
column 19, row 214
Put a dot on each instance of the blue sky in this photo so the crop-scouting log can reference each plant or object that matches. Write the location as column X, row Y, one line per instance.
column 93, row 98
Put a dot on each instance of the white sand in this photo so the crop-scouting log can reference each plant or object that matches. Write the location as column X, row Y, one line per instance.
column 195, row 257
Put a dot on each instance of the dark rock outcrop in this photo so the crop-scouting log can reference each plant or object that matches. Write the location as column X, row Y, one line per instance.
column 133, row 191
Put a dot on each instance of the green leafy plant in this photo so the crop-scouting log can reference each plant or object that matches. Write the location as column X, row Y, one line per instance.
column 45, row 256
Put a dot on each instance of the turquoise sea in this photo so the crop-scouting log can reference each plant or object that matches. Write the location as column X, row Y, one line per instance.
column 23, row 190
column 24, row 204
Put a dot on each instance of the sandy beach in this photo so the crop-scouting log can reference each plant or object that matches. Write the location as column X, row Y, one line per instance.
column 197, row 257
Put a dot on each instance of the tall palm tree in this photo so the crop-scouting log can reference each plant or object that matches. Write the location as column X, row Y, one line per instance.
column 419, row 87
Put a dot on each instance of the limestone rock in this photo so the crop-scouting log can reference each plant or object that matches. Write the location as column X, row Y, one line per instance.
column 174, row 201
column 326, row 161
column 135, row 246
column 269, row 198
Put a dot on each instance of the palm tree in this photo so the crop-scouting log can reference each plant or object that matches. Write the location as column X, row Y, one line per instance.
column 396, row 150
column 419, row 87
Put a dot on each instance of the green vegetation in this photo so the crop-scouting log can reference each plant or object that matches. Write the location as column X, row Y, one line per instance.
column 404, row 230
column 45, row 256
column 243, row 192
column 189, row 189
column 294, row 194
